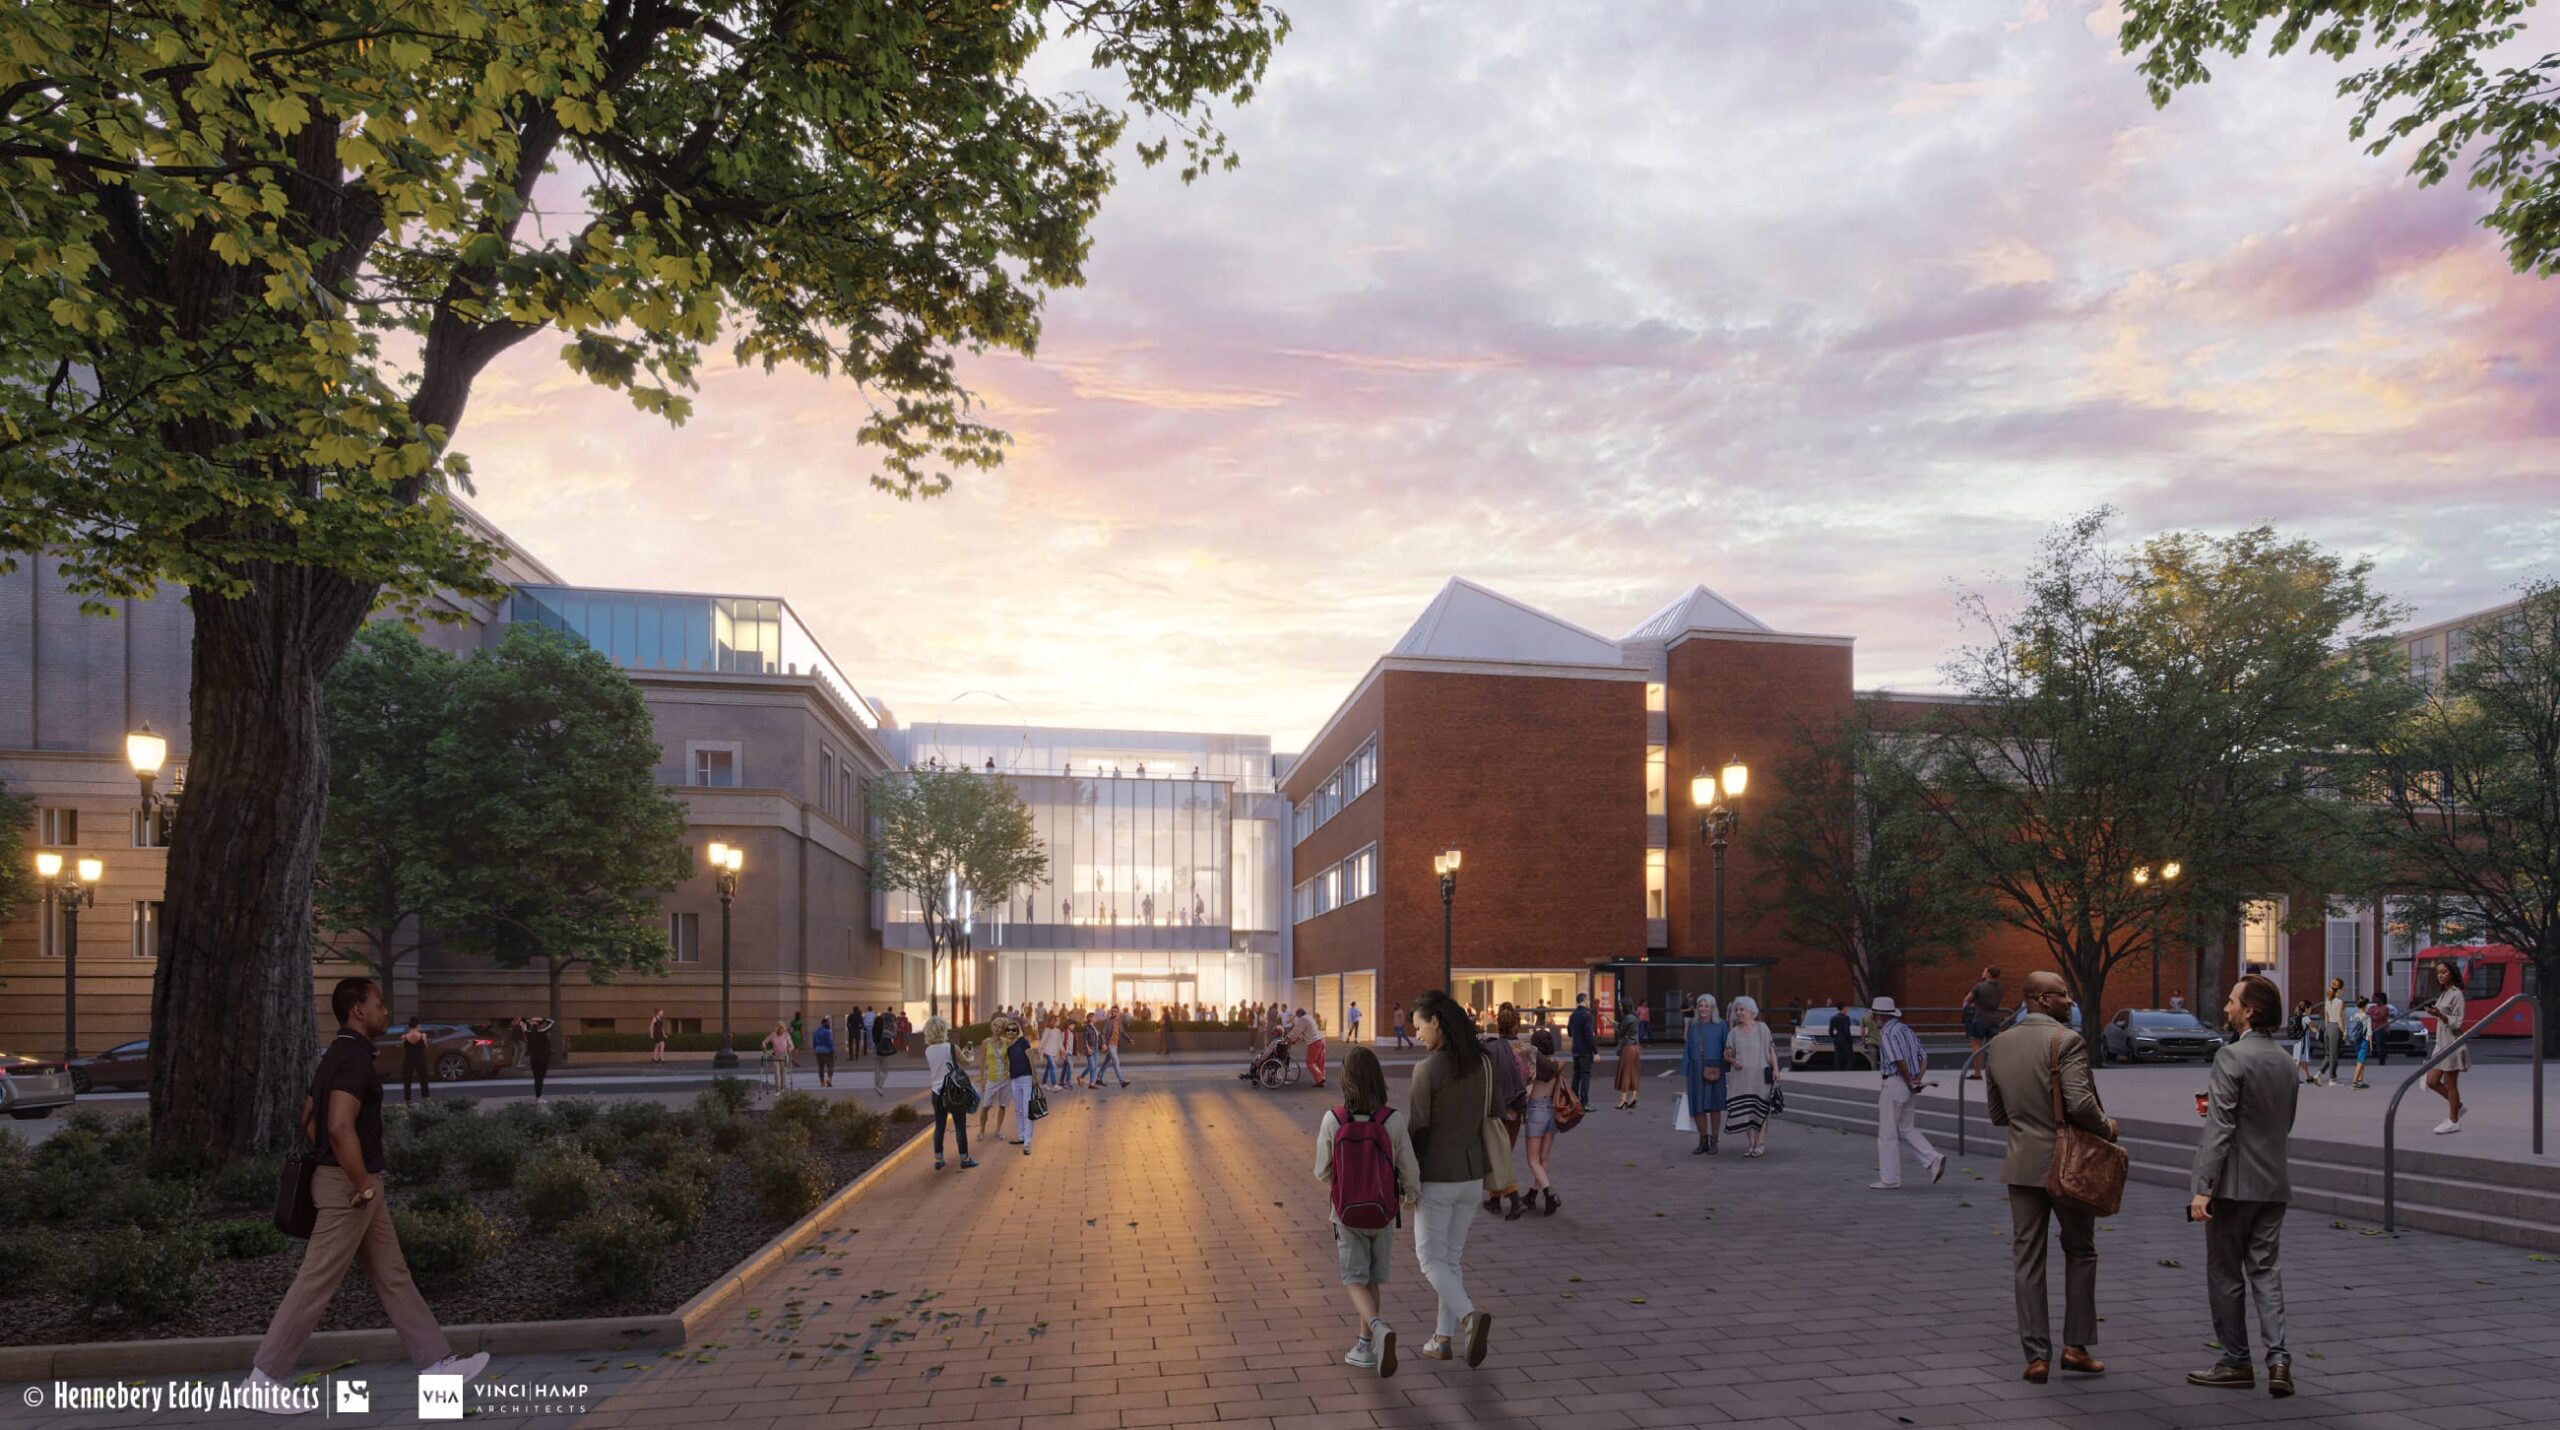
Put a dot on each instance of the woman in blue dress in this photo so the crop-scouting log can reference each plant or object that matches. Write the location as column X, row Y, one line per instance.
column 1702, row 1069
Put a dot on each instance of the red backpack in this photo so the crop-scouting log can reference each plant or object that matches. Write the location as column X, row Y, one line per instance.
column 1364, row 1171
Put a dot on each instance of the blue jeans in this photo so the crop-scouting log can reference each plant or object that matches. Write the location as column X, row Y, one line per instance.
column 1093, row 1066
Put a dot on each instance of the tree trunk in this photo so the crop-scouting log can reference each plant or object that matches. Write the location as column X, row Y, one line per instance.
column 2206, row 999
column 233, row 1036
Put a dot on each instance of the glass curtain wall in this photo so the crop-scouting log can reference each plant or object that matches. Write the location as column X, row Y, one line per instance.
column 641, row 630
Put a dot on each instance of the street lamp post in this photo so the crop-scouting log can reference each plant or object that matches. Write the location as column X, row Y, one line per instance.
column 1719, row 810
column 146, row 752
column 2142, row 879
column 726, row 861
column 72, row 891
column 1445, row 864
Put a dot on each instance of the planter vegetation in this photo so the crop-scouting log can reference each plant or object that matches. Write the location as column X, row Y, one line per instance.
column 520, row 1213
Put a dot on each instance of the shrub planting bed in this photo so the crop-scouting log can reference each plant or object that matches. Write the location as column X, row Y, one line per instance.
column 511, row 1212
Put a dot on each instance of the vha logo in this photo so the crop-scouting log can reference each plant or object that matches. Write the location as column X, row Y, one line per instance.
column 439, row 1397
column 353, row 1398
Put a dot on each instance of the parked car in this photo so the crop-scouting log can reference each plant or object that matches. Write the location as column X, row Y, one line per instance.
column 126, row 1065
column 32, row 1087
column 2141, row 1035
column 1810, row 1046
column 456, row 1052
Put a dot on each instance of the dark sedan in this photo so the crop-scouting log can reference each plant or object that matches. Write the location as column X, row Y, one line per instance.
column 2142, row 1035
column 456, row 1052
column 126, row 1065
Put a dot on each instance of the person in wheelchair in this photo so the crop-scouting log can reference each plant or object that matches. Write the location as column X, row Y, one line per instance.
column 1278, row 1052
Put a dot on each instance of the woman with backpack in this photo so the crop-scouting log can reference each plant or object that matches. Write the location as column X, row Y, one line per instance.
column 951, row 1096
column 1364, row 1153
column 1451, row 1113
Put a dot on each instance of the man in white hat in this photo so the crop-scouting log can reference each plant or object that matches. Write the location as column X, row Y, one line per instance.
column 1906, row 1063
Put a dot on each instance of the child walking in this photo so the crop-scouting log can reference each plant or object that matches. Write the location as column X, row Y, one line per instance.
column 1364, row 1152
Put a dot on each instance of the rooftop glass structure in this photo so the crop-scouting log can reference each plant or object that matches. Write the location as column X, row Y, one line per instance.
column 665, row 630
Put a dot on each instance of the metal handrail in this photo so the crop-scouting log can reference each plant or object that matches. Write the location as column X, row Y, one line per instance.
column 1963, row 1076
column 2391, row 1114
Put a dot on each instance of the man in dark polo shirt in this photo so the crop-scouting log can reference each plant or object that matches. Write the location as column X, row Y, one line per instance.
column 344, row 1115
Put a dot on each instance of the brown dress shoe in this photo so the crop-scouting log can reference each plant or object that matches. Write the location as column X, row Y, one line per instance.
column 2075, row 1358
column 2225, row 1377
column 2280, row 1381
column 2037, row 1370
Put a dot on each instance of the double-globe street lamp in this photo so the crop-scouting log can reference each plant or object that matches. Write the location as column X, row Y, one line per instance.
column 1719, row 805
column 726, row 861
column 72, row 891
column 1445, row 864
column 2167, row 874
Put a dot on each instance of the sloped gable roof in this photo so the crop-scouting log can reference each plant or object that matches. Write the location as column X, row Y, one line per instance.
column 1698, row 609
column 1468, row 622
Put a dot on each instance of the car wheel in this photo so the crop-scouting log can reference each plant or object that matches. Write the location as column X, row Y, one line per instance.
column 80, row 1081
column 30, row 1114
column 452, row 1067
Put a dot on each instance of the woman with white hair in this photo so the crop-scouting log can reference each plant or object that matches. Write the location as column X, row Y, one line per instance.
column 949, row 1097
column 1702, row 1072
column 1752, row 1055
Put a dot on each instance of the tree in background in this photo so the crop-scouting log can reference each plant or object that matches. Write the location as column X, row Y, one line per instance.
column 17, row 866
column 2472, row 785
column 2438, row 73
column 256, row 255
column 2270, row 663
column 387, row 701
column 549, row 834
column 953, row 841
column 1856, row 855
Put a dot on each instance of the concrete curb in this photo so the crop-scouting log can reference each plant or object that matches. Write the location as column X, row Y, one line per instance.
column 100, row 1360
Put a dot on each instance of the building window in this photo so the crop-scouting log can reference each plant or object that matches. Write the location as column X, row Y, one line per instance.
column 1360, row 874
column 595, row 1025
column 713, row 766
column 1655, row 782
column 826, row 780
column 49, row 930
column 1654, row 877
column 2262, row 938
column 1653, row 696
column 1305, row 815
column 2346, row 954
column 1302, row 902
column 58, row 828
column 1360, row 772
column 146, row 928
column 684, row 936
column 1329, row 890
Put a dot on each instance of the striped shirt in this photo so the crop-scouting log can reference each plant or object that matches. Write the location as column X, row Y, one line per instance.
column 1902, row 1050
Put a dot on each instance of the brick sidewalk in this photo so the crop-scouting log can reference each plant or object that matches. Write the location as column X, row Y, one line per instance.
column 1162, row 1259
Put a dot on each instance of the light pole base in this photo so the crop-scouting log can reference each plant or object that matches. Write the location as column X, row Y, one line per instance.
column 726, row 1058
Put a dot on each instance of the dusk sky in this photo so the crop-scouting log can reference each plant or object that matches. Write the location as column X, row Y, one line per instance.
column 1832, row 305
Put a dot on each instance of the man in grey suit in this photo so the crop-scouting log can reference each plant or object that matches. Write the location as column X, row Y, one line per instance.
column 2241, row 1185
column 2018, row 1081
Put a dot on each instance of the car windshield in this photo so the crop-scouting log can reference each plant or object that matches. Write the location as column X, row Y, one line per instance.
column 2171, row 1022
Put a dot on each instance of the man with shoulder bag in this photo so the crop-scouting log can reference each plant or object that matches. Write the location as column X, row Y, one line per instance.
column 2036, row 1080
column 341, row 1129
column 2241, row 1185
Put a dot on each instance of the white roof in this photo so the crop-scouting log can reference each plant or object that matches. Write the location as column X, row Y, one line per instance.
column 1699, row 609
column 1467, row 622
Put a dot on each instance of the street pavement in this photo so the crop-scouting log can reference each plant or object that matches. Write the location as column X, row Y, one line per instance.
column 1162, row 1258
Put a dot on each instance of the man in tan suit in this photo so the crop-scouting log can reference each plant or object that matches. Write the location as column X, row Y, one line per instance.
column 2018, row 1082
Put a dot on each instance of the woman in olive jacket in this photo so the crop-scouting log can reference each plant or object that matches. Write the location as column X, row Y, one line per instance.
column 1451, row 1103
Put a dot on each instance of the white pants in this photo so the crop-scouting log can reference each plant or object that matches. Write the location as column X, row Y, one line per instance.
column 1440, row 1245
column 1897, row 1123
column 1021, row 1088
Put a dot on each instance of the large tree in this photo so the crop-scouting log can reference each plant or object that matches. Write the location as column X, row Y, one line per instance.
column 376, row 877
column 552, row 840
column 2446, row 74
column 2272, row 662
column 2473, row 786
column 255, row 255
column 2195, row 698
column 1856, row 855
column 953, row 841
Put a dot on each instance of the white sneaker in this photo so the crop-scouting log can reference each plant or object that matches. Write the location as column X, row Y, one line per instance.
column 468, row 1367
column 267, row 1397
column 1884, row 1186
column 2448, row 1125
column 1938, row 1169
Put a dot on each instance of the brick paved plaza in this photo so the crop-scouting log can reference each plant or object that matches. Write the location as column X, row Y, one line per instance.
column 1162, row 1260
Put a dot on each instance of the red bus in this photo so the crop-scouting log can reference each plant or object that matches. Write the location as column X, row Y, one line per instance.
column 2491, row 973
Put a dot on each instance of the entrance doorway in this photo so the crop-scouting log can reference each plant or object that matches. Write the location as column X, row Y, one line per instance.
column 1156, row 990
